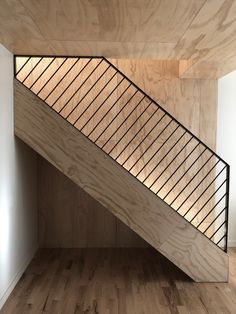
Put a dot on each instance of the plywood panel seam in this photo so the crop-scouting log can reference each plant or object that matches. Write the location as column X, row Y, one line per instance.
column 190, row 23
column 92, row 170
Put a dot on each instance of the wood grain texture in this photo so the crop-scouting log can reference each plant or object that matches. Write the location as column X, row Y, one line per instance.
column 117, row 281
column 210, row 41
column 192, row 102
column 178, row 245
column 200, row 33
column 212, row 68
column 95, row 172
column 115, row 29
column 69, row 217
column 122, row 21
column 79, row 161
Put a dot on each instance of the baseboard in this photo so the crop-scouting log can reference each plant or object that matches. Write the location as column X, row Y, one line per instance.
column 232, row 243
column 17, row 277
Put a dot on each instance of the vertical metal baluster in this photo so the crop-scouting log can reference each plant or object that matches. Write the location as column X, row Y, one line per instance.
column 130, row 141
column 220, row 240
column 120, row 112
column 227, row 206
column 62, row 78
column 199, row 170
column 142, row 139
column 178, row 168
column 68, row 86
column 32, row 70
column 184, row 173
column 150, row 145
column 78, row 87
column 198, row 185
column 101, row 107
column 109, row 111
column 116, row 114
column 171, row 162
column 77, row 105
column 214, row 220
column 163, row 157
column 156, row 152
column 201, row 196
column 42, row 73
column 81, row 115
column 54, row 73
column 136, row 120
column 217, row 230
column 22, row 67
column 226, row 195
column 205, row 202
column 122, row 124
column 218, row 202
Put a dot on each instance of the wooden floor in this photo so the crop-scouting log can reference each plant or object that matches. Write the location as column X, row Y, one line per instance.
column 124, row 281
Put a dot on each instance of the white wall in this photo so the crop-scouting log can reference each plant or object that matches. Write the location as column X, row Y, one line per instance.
column 226, row 140
column 18, row 190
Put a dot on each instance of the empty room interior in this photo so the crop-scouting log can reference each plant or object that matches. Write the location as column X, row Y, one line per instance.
column 118, row 156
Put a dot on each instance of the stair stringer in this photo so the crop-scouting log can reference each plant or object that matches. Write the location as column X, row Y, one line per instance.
column 116, row 189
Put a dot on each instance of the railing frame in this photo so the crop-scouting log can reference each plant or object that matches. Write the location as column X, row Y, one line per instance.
column 186, row 131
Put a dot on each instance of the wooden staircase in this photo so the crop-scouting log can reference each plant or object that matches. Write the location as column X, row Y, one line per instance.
column 98, row 174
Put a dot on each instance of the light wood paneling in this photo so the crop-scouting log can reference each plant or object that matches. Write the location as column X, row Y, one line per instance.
column 178, row 243
column 159, row 79
column 115, row 29
column 133, row 20
column 99, row 188
column 209, row 43
column 69, row 217
column 114, row 188
column 212, row 67
column 201, row 33
column 216, row 18
column 111, row 49
column 191, row 101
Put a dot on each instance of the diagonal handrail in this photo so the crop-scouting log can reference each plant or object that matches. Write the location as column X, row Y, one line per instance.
column 140, row 135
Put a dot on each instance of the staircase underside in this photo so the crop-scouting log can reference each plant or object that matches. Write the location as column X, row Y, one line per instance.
column 117, row 190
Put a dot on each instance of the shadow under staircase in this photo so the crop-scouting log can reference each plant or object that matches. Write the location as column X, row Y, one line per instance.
column 106, row 134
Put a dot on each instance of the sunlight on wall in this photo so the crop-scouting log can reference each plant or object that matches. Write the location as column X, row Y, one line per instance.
column 20, row 61
column 226, row 129
column 18, row 207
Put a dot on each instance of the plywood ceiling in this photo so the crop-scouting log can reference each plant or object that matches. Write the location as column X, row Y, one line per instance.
column 200, row 32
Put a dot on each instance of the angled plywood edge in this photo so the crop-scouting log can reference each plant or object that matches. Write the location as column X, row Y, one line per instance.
column 117, row 190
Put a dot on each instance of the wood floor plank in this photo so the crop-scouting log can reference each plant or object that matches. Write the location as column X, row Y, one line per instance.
column 116, row 281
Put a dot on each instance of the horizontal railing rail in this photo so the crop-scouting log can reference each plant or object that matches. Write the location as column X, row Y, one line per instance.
column 133, row 129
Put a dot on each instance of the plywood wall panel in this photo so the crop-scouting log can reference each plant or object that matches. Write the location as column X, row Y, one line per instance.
column 99, row 176
column 69, row 217
column 191, row 101
column 155, row 21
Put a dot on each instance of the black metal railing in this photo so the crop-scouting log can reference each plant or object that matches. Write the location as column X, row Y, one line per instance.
column 115, row 114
